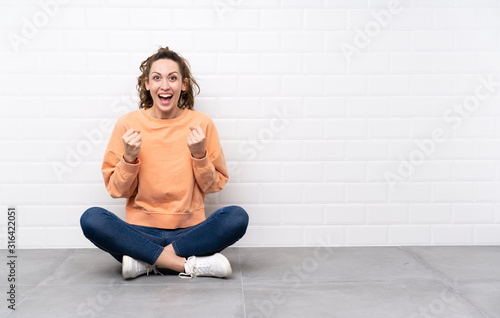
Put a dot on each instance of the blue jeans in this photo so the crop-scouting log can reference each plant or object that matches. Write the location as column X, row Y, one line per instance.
column 113, row 235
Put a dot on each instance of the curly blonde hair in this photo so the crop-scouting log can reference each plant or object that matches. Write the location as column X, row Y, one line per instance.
column 186, row 100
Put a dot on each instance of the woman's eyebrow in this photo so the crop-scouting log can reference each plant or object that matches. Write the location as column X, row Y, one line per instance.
column 168, row 73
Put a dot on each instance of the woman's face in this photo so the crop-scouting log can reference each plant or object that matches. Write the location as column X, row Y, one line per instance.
column 165, row 85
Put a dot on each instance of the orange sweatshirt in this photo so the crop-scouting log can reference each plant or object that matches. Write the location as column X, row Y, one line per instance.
column 166, row 186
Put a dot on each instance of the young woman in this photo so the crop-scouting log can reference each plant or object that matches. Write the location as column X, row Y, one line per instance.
column 164, row 158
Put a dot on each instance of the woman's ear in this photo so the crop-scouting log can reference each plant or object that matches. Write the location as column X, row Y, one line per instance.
column 184, row 84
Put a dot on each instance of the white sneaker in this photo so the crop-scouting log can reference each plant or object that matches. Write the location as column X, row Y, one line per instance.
column 216, row 265
column 131, row 268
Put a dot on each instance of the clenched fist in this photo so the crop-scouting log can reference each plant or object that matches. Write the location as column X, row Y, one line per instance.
column 196, row 142
column 132, row 142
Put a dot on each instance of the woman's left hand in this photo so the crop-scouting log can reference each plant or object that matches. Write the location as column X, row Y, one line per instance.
column 196, row 142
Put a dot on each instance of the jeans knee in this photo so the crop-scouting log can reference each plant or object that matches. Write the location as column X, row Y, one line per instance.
column 87, row 220
column 241, row 219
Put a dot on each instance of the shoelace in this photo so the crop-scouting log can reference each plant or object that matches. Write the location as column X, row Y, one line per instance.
column 184, row 275
column 200, row 269
column 154, row 269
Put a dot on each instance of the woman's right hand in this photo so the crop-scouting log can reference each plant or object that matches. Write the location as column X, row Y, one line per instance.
column 132, row 142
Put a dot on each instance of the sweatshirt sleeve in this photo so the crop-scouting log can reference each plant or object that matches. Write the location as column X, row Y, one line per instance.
column 210, row 172
column 120, row 177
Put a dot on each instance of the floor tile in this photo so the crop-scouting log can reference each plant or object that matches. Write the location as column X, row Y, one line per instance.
column 460, row 263
column 20, row 294
column 118, row 300
column 330, row 265
column 484, row 295
column 34, row 266
column 357, row 300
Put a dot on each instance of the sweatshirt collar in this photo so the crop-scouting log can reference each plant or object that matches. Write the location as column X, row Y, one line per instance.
column 164, row 122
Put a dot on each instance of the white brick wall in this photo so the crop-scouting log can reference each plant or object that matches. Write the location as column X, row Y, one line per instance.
column 325, row 146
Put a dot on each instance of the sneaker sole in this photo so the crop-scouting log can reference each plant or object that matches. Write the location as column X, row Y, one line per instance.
column 223, row 259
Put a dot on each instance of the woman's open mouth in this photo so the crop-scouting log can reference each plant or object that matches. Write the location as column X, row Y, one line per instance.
column 165, row 98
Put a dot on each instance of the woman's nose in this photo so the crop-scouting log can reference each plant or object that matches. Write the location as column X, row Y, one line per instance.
column 164, row 84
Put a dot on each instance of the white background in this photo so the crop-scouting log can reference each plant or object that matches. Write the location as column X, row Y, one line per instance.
column 310, row 135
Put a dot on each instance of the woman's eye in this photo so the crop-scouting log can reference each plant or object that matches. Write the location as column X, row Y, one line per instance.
column 173, row 78
column 156, row 77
